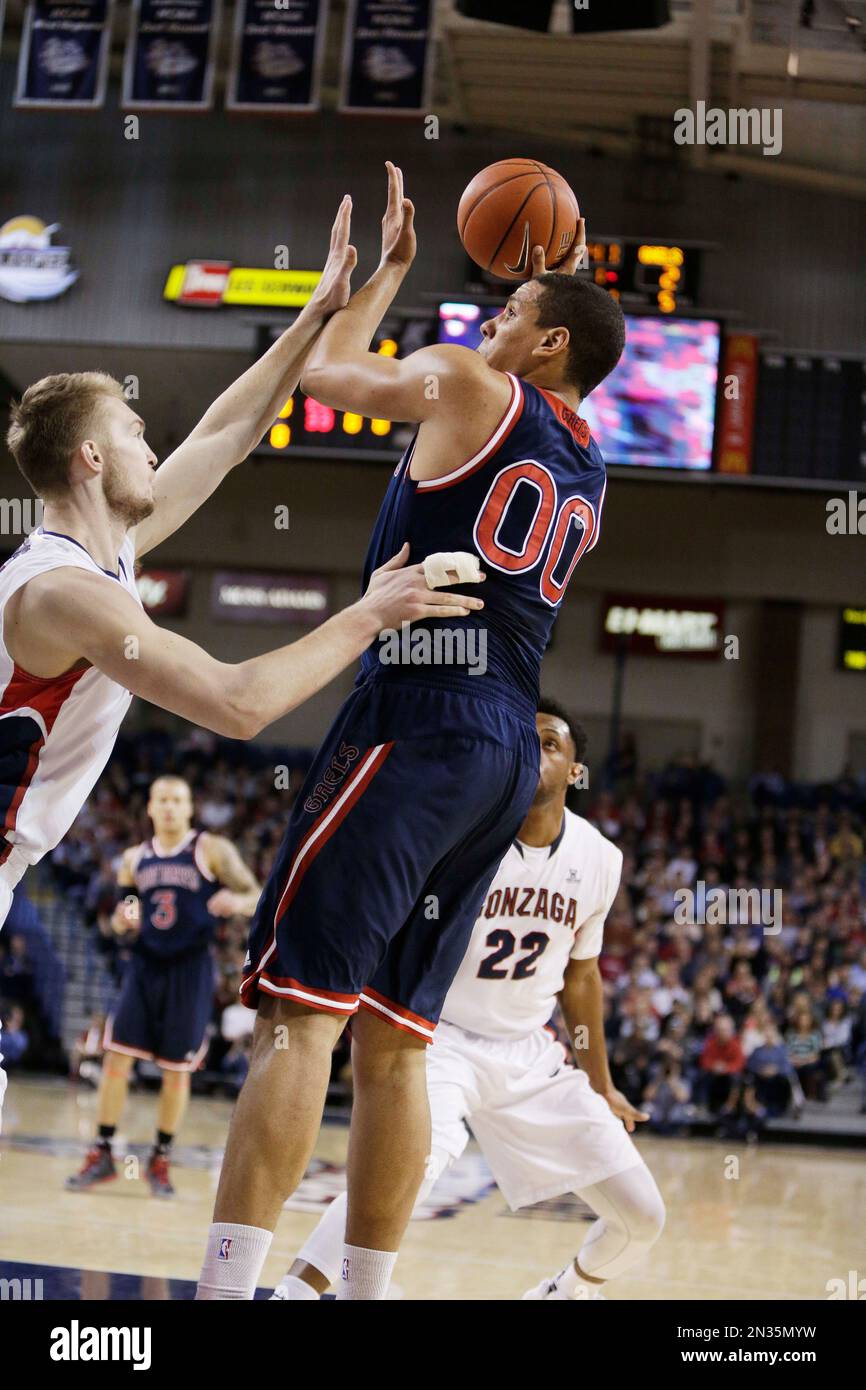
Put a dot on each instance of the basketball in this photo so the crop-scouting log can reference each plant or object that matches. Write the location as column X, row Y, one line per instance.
column 511, row 206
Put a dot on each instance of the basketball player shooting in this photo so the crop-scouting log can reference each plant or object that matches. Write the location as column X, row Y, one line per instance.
column 429, row 770
column 75, row 642
column 169, row 908
column 544, row 1126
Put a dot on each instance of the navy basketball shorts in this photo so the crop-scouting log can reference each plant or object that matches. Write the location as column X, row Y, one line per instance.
column 407, row 811
column 163, row 1010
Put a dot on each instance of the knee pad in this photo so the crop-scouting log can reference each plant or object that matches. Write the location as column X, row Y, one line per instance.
column 436, row 1163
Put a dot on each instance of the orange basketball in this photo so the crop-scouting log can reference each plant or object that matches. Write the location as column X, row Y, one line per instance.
column 511, row 206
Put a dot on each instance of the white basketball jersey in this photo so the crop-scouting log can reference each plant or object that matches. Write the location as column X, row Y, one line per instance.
column 55, row 734
column 544, row 907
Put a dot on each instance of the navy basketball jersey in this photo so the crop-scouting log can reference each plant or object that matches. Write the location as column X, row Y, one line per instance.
column 529, row 505
column 174, row 890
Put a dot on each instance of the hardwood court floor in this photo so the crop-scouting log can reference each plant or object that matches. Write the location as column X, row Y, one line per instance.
column 791, row 1220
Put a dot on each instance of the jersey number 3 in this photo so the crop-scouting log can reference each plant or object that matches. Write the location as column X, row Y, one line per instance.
column 519, row 522
column 164, row 914
column 535, row 942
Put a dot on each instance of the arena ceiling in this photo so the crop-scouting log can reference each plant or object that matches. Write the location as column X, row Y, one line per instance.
column 617, row 93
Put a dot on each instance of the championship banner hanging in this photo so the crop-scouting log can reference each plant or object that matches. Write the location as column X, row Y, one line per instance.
column 277, row 55
column 169, row 63
column 387, row 56
column 63, row 60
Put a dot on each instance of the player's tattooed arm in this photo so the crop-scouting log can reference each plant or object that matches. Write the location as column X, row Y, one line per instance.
column 90, row 617
column 582, row 1003
column 239, row 894
column 127, row 913
column 231, row 427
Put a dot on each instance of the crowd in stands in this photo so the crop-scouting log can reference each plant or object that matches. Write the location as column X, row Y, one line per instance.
column 31, row 986
column 735, row 954
column 734, row 960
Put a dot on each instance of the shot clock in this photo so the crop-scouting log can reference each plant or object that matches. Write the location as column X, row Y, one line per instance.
column 642, row 275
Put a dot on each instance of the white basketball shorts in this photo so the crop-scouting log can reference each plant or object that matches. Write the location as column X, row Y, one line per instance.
column 538, row 1122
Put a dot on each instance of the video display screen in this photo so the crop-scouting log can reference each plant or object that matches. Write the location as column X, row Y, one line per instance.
column 658, row 408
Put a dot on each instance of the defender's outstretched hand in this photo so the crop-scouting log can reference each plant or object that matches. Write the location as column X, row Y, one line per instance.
column 398, row 231
column 332, row 291
column 399, row 595
column 573, row 260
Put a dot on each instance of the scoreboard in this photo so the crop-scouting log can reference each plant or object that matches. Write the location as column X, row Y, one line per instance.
column 811, row 417
column 852, row 639
column 305, row 428
column 649, row 276
column 656, row 275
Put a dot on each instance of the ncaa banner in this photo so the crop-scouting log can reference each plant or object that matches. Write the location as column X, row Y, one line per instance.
column 169, row 63
column 63, row 60
column 387, row 57
column 277, row 55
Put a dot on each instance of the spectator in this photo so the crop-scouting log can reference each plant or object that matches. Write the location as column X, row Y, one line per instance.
column 16, row 971
column 757, row 1027
column 741, row 990
column 667, row 1098
column 836, row 1042
column 669, row 991
column 16, row 1039
column 803, row 1042
column 722, row 1063
column 772, row 1070
column 742, row 1116
column 857, row 973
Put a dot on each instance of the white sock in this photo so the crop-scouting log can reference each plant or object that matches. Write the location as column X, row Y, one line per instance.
column 295, row 1290
column 365, row 1274
column 572, row 1285
column 233, row 1261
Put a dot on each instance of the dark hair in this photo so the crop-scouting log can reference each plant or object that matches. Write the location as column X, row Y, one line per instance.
column 577, row 731
column 594, row 321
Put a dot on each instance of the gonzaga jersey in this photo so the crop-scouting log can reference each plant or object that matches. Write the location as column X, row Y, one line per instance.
column 529, row 505
column 173, row 889
column 545, row 907
column 55, row 734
